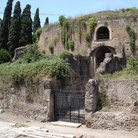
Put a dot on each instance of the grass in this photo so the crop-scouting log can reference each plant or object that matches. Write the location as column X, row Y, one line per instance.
column 53, row 68
column 123, row 74
column 110, row 14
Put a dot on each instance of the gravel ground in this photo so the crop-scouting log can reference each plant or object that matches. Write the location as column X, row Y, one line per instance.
column 81, row 132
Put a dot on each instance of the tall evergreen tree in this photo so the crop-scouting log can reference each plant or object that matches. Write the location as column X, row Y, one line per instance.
column 36, row 23
column 14, row 32
column 4, row 30
column 46, row 21
column 0, row 21
column 26, row 27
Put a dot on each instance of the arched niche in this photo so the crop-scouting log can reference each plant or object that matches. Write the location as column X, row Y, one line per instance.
column 103, row 33
column 100, row 54
column 97, row 56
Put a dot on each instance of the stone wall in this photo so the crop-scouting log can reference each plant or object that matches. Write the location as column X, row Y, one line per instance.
column 18, row 53
column 30, row 99
column 119, row 38
column 80, row 75
column 112, row 104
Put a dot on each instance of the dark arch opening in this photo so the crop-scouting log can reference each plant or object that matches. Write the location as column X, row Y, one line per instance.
column 100, row 54
column 103, row 33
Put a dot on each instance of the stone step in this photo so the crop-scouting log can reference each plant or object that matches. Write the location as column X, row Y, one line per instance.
column 42, row 134
column 34, row 128
column 67, row 124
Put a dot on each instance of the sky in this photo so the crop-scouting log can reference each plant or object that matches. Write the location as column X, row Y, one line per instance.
column 71, row 8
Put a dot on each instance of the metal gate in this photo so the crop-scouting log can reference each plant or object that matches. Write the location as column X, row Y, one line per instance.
column 69, row 106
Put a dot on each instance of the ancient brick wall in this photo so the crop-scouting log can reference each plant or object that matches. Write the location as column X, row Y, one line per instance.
column 119, row 38
column 34, row 100
column 112, row 104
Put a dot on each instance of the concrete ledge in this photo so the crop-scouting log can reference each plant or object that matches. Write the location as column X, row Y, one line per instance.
column 67, row 124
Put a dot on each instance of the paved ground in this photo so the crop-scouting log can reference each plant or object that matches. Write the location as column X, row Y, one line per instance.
column 11, row 126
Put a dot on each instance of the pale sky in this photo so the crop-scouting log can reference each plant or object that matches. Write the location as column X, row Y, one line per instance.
column 71, row 8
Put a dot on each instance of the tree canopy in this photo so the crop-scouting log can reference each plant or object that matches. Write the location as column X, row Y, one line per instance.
column 14, row 32
column 4, row 29
column 26, row 27
column 36, row 23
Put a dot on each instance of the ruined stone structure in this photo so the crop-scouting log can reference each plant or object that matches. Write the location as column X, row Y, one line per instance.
column 110, row 36
column 120, row 97
column 108, row 50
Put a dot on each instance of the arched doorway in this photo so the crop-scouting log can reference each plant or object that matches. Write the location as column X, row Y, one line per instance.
column 97, row 56
column 100, row 54
column 103, row 33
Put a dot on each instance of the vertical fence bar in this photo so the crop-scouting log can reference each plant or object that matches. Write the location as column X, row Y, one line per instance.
column 78, row 110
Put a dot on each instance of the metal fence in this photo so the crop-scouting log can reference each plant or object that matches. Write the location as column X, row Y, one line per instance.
column 69, row 106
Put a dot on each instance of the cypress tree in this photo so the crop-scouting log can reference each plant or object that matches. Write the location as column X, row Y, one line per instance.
column 0, row 22
column 14, row 31
column 46, row 21
column 36, row 23
column 26, row 27
column 4, row 30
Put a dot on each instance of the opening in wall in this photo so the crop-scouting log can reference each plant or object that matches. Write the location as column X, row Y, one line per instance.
column 103, row 33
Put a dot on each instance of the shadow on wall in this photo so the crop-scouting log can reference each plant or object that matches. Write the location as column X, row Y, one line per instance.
column 104, row 60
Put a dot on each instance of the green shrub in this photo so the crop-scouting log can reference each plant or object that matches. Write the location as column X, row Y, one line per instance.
column 4, row 56
column 128, row 28
column 71, row 45
column 88, row 39
column 132, row 36
column 62, row 19
column 133, row 62
column 64, row 54
column 51, row 48
column 103, row 100
column 32, row 54
column 48, row 67
column 92, row 24
column 55, row 40
column 67, row 45
column 37, row 34
column 132, row 45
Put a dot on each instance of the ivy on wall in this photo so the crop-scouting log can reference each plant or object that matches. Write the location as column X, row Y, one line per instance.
column 132, row 36
column 68, row 27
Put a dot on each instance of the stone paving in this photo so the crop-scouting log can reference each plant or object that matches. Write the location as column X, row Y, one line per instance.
column 9, row 130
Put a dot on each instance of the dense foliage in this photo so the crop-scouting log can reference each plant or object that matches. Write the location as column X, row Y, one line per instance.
column 64, row 54
column 36, row 65
column 51, row 48
column 26, row 27
column 36, row 23
column 4, row 56
column 133, row 62
column 4, row 30
column 37, row 35
column 14, row 32
column 132, row 36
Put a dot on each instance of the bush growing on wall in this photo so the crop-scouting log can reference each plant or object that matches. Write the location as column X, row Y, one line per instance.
column 37, row 34
column 62, row 19
column 132, row 36
column 32, row 54
column 64, row 53
column 88, row 38
column 92, row 25
column 46, row 66
column 133, row 62
column 71, row 45
column 51, row 48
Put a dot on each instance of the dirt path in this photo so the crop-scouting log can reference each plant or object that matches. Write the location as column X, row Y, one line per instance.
column 78, row 132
